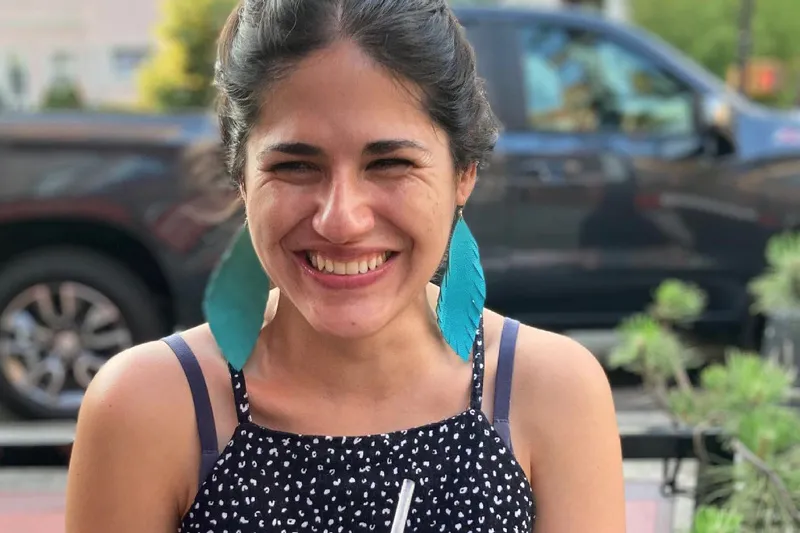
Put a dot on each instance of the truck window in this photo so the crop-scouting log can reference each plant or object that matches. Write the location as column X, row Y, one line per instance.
column 576, row 81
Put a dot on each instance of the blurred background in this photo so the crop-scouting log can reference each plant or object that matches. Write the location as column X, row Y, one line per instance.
column 644, row 198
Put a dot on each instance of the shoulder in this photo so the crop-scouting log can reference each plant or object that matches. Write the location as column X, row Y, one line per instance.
column 551, row 367
column 563, row 418
column 133, row 388
column 557, row 384
column 138, row 404
column 146, row 380
column 136, row 423
column 565, row 382
column 146, row 388
column 559, row 368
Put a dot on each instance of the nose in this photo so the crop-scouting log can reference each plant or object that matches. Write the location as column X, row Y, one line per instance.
column 345, row 214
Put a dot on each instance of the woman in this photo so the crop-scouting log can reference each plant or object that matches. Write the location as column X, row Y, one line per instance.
column 354, row 129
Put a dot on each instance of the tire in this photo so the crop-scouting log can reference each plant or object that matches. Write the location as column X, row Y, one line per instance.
column 103, row 281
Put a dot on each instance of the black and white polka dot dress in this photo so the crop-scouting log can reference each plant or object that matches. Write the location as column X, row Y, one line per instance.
column 465, row 474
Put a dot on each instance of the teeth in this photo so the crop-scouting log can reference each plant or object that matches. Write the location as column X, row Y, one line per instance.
column 349, row 268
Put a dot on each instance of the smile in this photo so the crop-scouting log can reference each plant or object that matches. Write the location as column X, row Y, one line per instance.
column 354, row 267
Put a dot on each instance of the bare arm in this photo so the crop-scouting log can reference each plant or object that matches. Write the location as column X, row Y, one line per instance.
column 576, row 459
column 132, row 453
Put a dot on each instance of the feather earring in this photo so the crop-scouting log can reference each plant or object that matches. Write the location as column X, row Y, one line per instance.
column 463, row 291
column 235, row 300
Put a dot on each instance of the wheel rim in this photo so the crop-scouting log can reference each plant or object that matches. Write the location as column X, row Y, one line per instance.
column 54, row 337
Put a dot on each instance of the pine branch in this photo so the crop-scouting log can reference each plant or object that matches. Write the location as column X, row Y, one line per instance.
column 681, row 377
column 783, row 493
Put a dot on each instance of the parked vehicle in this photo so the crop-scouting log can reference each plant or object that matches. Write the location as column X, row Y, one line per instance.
column 621, row 163
column 106, row 240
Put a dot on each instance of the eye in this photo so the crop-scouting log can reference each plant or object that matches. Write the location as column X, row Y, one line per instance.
column 292, row 166
column 390, row 164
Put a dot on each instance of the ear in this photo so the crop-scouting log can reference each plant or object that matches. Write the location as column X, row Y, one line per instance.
column 466, row 183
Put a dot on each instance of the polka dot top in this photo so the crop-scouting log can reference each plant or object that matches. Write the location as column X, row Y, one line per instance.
column 464, row 473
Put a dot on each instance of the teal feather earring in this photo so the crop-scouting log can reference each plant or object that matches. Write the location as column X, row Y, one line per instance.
column 463, row 291
column 236, row 298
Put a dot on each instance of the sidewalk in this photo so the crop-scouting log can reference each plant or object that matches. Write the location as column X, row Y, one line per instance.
column 32, row 500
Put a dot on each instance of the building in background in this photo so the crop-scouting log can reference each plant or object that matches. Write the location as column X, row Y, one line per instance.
column 99, row 44
column 95, row 44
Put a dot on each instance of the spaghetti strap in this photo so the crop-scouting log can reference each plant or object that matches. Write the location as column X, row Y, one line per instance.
column 240, row 395
column 206, row 428
column 505, row 371
column 478, row 365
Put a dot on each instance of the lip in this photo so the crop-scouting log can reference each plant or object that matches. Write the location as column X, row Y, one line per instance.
column 338, row 281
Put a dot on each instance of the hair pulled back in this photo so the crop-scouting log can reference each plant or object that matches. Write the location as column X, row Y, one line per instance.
column 416, row 40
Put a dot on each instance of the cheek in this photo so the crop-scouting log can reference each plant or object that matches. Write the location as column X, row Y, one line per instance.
column 423, row 213
column 272, row 210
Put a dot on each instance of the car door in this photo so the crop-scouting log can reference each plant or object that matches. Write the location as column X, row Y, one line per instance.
column 585, row 251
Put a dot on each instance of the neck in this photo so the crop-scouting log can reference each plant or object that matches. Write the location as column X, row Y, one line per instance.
column 374, row 367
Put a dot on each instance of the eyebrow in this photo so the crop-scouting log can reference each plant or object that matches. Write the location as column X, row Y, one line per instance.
column 374, row 148
column 392, row 145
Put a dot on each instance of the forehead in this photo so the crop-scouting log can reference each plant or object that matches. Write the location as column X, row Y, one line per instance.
column 339, row 95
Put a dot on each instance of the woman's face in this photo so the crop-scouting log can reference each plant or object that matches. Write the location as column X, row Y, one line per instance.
column 350, row 192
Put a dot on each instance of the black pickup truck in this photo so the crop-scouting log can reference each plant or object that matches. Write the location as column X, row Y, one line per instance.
column 621, row 163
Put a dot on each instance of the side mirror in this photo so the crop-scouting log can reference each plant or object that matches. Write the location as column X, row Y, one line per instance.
column 716, row 121
column 716, row 112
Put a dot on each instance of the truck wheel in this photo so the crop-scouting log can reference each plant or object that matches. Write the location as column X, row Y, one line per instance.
column 63, row 313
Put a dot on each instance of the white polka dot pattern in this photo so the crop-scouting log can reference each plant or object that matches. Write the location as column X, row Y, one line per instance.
column 466, row 478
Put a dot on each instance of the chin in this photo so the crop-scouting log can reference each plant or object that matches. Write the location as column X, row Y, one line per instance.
column 345, row 323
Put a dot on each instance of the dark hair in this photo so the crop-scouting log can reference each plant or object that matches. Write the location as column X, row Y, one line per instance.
column 417, row 40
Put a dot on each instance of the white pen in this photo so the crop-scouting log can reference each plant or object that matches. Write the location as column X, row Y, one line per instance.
column 403, row 505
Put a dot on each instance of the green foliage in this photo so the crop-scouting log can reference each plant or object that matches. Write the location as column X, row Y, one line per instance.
column 62, row 94
column 713, row 520
column 690, row 407
column 747, row 380
column 778, row 289
column 179, row 76
column 769, row 430
column 764, row 507
column 791, row 472
column 708, row 32
column 647, row 343
column 647, row 348
column 677, row 301
column 745, row 397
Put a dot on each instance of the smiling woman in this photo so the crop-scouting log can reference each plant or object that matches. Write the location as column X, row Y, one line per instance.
column 354, row 130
